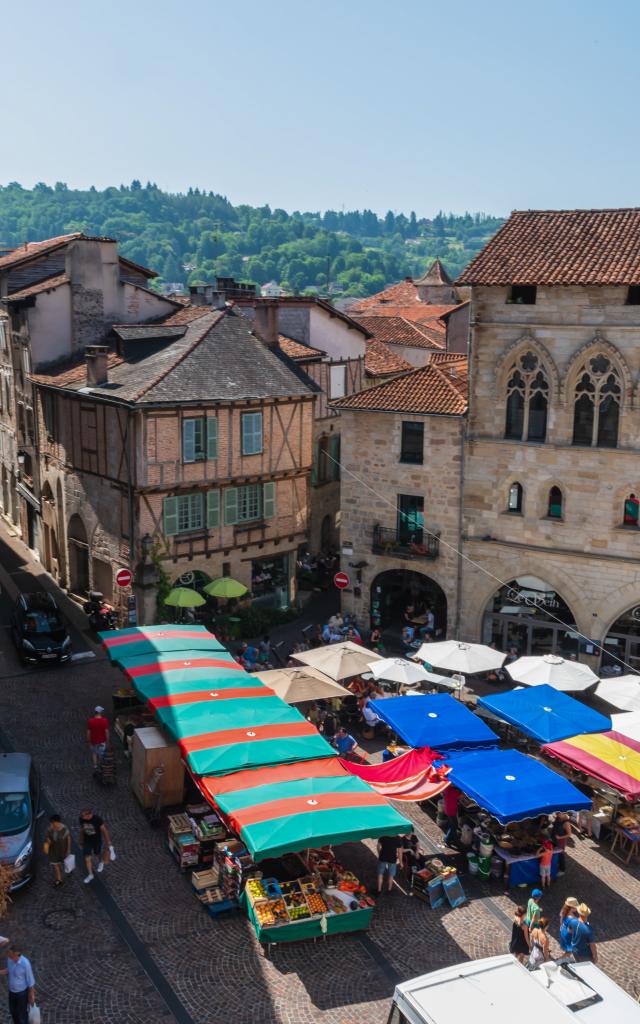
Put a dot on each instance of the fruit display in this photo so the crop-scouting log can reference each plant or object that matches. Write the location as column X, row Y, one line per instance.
column 335, row 905
column 256, row 890
column 264, row 914
column 289, row 887
column 279, row 911
column 299, row 913
column 295, row 899
column 316, row 903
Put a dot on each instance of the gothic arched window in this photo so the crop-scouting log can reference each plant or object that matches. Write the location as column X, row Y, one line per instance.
column 554, row 504
column 527, row 400
column 597, row 400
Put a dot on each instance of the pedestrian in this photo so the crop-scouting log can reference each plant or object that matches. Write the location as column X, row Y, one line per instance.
column 561, row 832
column 519, row 945
column 264, row 652
column 98, row 734
column 583, row 946
column 57, row 846
column 539, row 941
column 451, row 800
column 568, row 923
column 344, row 742
column 389, row 857
column 92, row 833
column 545, row 853
column 534, row 909
column 21, row 983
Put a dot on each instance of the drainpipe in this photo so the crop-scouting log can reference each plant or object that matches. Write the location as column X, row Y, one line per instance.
column 463, row 433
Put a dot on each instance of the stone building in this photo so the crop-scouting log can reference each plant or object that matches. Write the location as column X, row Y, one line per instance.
column 401, row 495
column 195, row 435
column 56, row 296
column 552, row 454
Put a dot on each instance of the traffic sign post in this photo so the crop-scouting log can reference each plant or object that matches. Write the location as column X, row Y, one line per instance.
column 124, row 577
column 341, row 580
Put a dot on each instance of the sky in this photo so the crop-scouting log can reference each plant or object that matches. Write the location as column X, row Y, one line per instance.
column 405, row 105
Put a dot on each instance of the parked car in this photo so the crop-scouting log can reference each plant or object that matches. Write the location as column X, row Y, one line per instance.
column 19, row 799
column 38, row 629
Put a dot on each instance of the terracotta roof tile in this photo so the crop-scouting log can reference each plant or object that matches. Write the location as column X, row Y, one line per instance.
column 427, row 390
column 186, row 315
column 381, row 361
column 561, row 247
column 31, row 249
column 399, row 300
column 72, row 372
column 297, row 350
column 42, row 286
column 396, row 330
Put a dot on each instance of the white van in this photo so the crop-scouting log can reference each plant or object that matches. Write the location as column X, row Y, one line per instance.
column 499, row 990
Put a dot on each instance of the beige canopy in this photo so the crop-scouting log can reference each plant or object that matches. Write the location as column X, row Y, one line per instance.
column 339, row 661
column 296, row 685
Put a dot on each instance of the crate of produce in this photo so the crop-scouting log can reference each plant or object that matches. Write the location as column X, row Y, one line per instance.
column 255, row 890
column 316, row 903
column 205, row 879
column 180, row 823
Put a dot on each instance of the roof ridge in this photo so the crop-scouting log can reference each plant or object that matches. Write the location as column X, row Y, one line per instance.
column 219, row 313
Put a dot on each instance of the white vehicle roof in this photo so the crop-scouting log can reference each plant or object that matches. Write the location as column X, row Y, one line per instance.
column 499, row 990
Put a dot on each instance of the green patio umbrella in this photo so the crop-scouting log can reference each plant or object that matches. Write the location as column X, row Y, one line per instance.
column 224, row 586
column 184, row 597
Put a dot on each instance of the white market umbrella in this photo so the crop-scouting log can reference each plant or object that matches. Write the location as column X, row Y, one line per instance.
column 622, row 693
column 339, row 661
column 568, row 676
column 456, row 656
column 296, row 685
column 399, row 670
column 628, row 724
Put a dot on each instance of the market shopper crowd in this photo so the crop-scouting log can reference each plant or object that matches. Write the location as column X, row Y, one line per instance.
column 530, row 938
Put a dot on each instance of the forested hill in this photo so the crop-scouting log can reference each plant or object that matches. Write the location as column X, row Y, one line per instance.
column 191, row 237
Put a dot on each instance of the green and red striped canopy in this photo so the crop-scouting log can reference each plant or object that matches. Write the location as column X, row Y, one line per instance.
column 122, row 644
column 158, row 675
column 292, row 807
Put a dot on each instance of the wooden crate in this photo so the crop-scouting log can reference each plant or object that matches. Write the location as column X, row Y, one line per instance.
column 149, row 750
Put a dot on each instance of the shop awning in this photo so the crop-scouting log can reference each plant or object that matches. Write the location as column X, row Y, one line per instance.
column 122, row 644
column 610, row 757
column 544, row 713
column 284, row 811
column 411, row 777
column 173, row 674
column 435, row 720
column 511, row 786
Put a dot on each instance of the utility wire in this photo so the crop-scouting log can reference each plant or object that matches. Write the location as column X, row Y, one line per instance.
column 471, row 561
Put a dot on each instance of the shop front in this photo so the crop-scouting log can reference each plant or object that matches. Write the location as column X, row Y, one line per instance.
column 270, row 581
column 622, row 644
column 395, row 591
column 529, row 615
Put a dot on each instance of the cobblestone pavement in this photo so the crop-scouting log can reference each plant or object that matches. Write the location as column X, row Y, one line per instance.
column 89, row 967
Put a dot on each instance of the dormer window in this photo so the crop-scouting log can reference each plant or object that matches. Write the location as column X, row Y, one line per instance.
column 633, row 295
column 522, row 294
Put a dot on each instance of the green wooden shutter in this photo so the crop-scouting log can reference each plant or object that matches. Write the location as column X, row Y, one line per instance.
column 170, row 516
column 212, row 437
column 314, row 465
column 213, row 509
column 188, row 440
column 334, row 452
column 231, row 506
column 268, row 500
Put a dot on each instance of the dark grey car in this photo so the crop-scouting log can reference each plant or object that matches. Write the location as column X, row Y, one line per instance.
column 19, row 798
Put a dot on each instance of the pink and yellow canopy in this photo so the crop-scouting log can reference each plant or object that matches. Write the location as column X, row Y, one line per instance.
column 608, row 756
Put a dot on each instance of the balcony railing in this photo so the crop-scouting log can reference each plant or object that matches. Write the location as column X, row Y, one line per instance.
column 390, row 542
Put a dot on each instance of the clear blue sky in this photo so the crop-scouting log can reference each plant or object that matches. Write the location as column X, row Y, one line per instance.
column 402, row 105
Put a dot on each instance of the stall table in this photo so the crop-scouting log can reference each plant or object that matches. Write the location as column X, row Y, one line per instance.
column 628, row 841
column 310, row 928
column 523, row 868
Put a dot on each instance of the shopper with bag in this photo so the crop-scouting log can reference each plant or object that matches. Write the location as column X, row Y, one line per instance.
column 57, row 846
column 22, row 993
column 92, row 833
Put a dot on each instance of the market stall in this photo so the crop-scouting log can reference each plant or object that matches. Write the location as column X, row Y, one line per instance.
column 411, row 777
column 544, row 713
column 434, row 720
column 121, row 644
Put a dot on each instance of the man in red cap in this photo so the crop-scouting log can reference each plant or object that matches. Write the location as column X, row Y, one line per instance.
column 98, row 734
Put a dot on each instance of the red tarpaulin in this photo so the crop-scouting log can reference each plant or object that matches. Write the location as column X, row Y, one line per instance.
column 411, row 777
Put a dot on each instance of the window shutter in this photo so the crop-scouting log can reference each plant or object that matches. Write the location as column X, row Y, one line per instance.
column 315, row 464
column 188, row 440
column 231, row 506
column 212, row 437
column 170, row 516
column 213, row 509
column 334, row 452
column 268, row 500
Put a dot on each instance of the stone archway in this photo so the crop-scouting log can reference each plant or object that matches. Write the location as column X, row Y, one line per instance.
column 78, row 546
column 396, row 589
column 528, row 615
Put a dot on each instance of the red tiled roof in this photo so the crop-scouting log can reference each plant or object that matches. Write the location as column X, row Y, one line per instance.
column 396, row 330
column 427, row 390
column 186, row 315
column 561, row 247
column 381, row 361
column 31, row 249
column 399, row 300
column 42, row 286
column 72, row 372
column 296, row 349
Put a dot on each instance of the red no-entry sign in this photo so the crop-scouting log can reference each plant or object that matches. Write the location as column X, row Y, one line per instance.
column 341, row 580
column 124, row 577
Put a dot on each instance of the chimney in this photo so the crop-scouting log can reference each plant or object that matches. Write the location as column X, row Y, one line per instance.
column 267, row 321
column 206, row 295
column 96, row 357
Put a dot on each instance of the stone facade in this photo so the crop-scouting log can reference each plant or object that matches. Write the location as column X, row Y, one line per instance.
column 585, row 554
column 371, row 449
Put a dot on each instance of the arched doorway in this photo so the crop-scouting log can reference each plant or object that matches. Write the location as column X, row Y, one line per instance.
column 622, row 644
column 49, row 539
column 529, row 615
column 393, row 591
column 78, row 555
